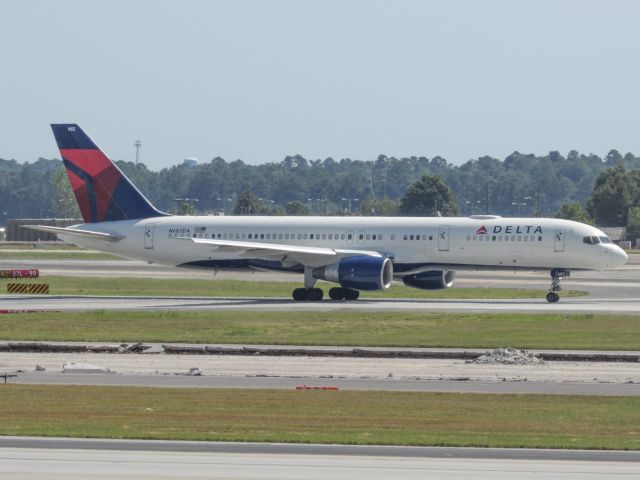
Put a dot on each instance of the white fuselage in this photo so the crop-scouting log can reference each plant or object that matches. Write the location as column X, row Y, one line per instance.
column 413, row 243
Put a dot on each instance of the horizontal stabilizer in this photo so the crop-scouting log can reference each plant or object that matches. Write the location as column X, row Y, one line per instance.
column 74, row 232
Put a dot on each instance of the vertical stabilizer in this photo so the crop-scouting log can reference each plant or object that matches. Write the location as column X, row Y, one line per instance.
column 103, row 192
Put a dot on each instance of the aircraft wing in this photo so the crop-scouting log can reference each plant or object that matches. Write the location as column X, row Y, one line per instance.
column 75, row 232
column 308, row 256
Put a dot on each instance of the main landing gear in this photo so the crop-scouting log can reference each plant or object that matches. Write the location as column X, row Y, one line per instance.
column 556, row 275
column 316, row 294
column 312, row 294
column 339, row 293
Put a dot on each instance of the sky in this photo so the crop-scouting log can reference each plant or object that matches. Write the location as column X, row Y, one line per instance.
column 259, row 80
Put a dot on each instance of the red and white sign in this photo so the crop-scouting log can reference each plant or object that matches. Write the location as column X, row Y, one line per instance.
column 13, row 274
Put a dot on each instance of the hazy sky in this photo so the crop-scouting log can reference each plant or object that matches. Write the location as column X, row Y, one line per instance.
column 259, row 80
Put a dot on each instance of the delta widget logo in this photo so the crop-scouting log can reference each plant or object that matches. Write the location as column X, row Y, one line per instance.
column 482, row 230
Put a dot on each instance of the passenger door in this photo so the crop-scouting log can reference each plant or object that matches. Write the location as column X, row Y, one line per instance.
column 148, row 235
column 443, row 238
column 558, row 240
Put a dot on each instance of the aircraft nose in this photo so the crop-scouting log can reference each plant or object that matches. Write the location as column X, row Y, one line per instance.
column 620, row 257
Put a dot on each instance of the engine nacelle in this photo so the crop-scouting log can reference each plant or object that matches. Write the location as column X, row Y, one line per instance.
column 430, row 280
column 359, row 273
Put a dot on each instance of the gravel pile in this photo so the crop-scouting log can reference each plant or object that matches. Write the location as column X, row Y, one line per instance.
column 508, row 356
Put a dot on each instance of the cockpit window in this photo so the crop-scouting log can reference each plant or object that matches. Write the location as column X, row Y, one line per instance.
column 591, row 240
column 605, row 240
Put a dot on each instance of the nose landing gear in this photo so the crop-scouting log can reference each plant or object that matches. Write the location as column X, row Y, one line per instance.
column 556, row 275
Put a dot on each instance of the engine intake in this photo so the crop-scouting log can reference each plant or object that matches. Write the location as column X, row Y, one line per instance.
column 359, row 273
column 431, row 279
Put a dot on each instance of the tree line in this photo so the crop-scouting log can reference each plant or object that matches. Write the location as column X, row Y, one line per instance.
column 606, row 189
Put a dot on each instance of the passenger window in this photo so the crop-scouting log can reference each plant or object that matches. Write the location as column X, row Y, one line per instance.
column 330, row 236
column 405, row 237
column 348, row 236
column 540, row 238
column 373, row 237
column 311, row 236
column 494, row 238
column 393, row 237
column 305, row 236
column 368, row 237
column 379, row 237
column 286, row 236
column 299, row 236
column 324, row 236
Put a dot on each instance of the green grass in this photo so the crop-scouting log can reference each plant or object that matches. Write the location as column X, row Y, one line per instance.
column 126, row 286
column 347, row 417
column 405, row 329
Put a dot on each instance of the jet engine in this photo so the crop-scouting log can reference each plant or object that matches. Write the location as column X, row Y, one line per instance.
column 430, row 280
column 358, row 273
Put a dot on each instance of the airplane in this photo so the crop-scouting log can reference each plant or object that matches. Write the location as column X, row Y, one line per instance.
column 356, row 253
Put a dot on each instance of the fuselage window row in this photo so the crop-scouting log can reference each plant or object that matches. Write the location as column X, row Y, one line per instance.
column 506, row 238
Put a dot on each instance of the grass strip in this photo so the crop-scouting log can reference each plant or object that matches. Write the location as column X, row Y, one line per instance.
column 126, row 286
column 401, row 329
column 346, row 417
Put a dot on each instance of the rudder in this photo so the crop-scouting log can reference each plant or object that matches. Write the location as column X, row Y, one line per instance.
column 103, row 192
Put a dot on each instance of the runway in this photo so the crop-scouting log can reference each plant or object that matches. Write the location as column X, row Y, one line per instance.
column 630, row 305
column 460, row 385
column 40, row 458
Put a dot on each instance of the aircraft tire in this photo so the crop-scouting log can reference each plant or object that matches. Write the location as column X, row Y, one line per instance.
column 300, row 294
column 351, row 294
column 553, row 297
column 336, row 293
